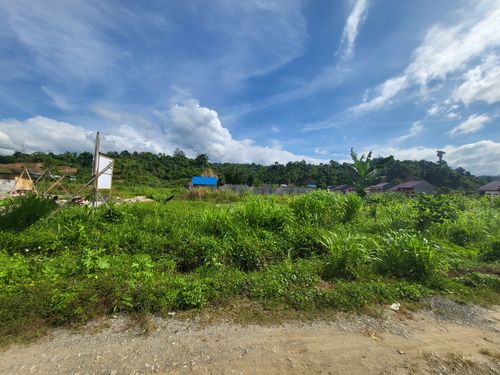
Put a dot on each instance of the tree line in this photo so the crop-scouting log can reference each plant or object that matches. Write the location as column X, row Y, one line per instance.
column 146, row 168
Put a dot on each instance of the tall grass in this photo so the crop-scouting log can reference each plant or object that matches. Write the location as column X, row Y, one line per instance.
column 314, row 250
column 21, row 212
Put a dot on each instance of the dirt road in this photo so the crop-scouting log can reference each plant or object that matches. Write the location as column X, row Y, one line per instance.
column 449, row 339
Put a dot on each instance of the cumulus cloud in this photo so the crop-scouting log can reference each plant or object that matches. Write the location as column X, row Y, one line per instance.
column 187, row 125
column 445, row 50
column 197, row 129
column 472, row 125
column 481, row 158
column 42, row 134
column 351, row 28
column 480, row 83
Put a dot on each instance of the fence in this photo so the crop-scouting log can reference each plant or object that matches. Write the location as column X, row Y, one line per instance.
column 267, row 190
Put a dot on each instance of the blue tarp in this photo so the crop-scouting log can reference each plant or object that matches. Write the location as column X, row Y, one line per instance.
column 203, row 180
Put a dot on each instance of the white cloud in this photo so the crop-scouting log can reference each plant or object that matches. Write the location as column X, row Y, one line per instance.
column 385, row 92
column 472, row 125
column 43, row 134
column 58, row 100
column 434, row 110
column 415, row 129
column 197, row 129
column 321, row 151
column 124, row 137
column 480, row 83
column 481, row 158
column 188, row 125
column 445, row 50
column 275, row 129
column 351, row 28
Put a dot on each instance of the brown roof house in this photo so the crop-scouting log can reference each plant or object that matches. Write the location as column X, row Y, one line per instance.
column 491, row 189
column 411, row 188
column 343, row 189
column 380, row 188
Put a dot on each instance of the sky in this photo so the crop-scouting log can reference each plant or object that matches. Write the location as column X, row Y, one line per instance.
column 254, row 81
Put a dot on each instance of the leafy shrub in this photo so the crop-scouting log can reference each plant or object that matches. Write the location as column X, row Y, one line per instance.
column 112, row 214
column 493, row 253
column 435, row 209
column 191, row 294
column 404, row 255
column 304, row 241
column 286, row 282
column 21, row 212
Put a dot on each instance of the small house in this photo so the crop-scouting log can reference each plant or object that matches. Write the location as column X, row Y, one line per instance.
column 19, row 182
column 343, row 189
column 491, row 189
column 204, row 181
column 411, row 188
column 380, row 188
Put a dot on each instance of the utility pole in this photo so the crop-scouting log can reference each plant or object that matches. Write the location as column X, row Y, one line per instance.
column 95, row 168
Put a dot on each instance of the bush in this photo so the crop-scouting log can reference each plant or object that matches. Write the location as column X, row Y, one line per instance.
column 404, row 255
column 493, row 253
column 433, row 209
column 287, row 283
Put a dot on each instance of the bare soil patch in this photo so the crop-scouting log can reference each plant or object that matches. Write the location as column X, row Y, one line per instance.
column 432, row 341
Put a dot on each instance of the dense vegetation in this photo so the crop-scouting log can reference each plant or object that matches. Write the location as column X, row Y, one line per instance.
column 164, row 170
column 315, row 251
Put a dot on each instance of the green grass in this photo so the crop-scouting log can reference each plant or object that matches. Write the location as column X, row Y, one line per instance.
column 314, row 252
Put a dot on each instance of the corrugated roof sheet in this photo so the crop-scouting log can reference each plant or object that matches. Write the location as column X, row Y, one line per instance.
column 204, row 180
column 491, row 186
column 408, row 185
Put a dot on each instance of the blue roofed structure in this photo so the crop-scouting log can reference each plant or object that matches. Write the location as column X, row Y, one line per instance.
column 204, row 181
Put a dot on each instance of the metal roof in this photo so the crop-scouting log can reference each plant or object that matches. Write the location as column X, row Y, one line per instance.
column 408, row 185
column 491, row 186
column 204, row 180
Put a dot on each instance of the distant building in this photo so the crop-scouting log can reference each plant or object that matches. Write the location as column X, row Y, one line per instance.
column 343, row 189
column 491, row 189
column 204, row 181
column 380, row 188
column 11, row 180
column 411, row 188
column 312, row 186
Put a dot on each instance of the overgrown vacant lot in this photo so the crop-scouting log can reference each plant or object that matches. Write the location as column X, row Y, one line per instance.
column 310, row 252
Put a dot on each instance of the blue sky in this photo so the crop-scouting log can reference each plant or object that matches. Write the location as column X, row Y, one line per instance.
column 254, row 81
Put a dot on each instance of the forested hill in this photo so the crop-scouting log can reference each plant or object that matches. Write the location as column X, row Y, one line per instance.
column 146, row 168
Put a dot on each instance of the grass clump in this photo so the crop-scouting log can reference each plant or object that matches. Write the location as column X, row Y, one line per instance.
column 21, row 212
